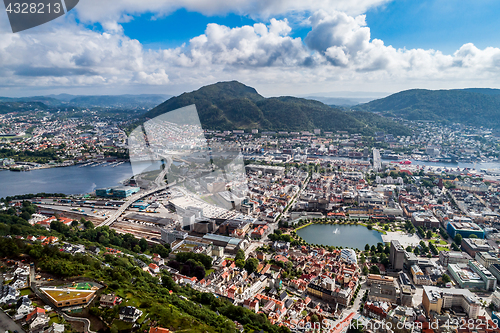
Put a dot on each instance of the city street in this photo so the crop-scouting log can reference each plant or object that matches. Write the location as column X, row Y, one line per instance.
column 7, row 324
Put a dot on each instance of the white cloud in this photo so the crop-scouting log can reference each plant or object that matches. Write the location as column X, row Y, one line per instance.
column 110, row 12
column 338, row 53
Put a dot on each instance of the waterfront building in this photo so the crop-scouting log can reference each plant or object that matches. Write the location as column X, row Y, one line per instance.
column 116, row 192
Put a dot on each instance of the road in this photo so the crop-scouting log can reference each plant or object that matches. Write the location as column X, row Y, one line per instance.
column 158, row 187
column 85, row 321
column 7, row 324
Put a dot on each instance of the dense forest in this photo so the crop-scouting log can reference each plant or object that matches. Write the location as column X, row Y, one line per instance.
column 476, row 107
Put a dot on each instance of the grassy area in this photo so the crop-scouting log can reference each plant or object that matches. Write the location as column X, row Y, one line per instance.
column 440, row 248
column 25, row 292
column 303, row 226
column 121, row 325
column 436, row 241
column 54, row 318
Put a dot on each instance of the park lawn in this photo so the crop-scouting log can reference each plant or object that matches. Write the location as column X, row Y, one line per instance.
column 26, row 291
column 440, row 248
column 436, row 241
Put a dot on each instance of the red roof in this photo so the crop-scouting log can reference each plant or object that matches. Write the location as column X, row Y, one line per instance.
column 36, row 311
column 158, row 330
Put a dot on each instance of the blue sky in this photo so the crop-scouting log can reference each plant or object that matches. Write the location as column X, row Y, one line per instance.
column 293, row 47
column 177, row 28
column 437, row 24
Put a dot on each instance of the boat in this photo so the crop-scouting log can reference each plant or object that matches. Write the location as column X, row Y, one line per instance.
column 336, row 231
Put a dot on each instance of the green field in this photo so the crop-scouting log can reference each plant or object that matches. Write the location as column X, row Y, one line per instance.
column 83, row 286
column 440, row 242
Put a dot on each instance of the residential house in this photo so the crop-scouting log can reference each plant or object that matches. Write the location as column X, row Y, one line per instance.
column 130, row 314
column 109, row 300
column 154, row 268
column 37, row 319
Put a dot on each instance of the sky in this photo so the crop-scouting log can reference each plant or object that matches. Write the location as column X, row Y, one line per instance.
column 335, row 48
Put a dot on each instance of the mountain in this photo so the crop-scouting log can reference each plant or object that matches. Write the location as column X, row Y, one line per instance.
column 14, row 106
column 119, row 101
column 339, row 101
column 233, row 105
column 474, row 106
column 145, row 101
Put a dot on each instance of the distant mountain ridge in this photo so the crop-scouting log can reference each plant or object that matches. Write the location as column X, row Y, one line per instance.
column 146, row 101
column 472, row 106
column 233, row 105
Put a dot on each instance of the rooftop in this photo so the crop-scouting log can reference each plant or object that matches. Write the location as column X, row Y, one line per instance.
column 65, row 294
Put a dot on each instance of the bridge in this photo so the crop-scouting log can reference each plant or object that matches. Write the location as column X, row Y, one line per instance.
column 158, row 186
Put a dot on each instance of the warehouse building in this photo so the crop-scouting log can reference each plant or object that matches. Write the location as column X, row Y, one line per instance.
column 116, row 192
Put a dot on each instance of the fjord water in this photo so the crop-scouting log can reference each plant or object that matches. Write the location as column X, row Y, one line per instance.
column 352, row 236
column 67, row 180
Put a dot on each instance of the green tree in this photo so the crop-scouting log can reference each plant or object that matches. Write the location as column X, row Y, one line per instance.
column 374, row 269
column 367, row 247
column 429, row 234
column 240, row 263
column 365, row 270
column 143, row 243
column 458, row 239
column 445, row 278
column 251, row 265
column 240, row 255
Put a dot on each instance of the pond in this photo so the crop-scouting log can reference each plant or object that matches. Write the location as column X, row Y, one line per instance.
column 345, row 235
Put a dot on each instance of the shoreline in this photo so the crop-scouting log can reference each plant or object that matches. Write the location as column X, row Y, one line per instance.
column 46, row 166
column 383, row 232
